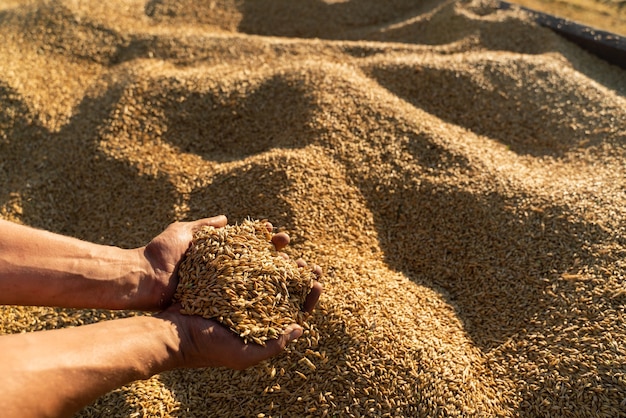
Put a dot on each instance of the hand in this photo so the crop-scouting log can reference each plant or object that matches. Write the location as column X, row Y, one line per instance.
column 162, row 255
column 206, row 343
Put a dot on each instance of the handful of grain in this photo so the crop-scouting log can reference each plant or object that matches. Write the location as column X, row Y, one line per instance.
column 235, row 275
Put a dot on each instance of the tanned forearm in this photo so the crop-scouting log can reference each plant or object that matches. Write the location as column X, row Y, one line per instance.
column 42, row 268
column 55, row 373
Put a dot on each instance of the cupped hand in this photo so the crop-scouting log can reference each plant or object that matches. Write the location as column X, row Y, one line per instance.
column 204, row 342
column 207, row 343
column 162, row 256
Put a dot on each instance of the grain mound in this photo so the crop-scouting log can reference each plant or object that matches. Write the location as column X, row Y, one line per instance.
column 235, row 275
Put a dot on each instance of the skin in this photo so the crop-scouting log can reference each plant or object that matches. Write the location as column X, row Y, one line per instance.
column 56, row 373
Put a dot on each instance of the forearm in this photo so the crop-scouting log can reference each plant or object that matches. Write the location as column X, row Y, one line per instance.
column 42, row 268
column 55, row 373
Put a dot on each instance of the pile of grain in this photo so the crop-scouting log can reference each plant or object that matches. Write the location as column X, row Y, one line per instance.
column 459, row 170
column 235, row 275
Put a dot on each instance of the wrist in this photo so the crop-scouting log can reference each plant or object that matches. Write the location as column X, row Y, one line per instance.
column 143, row 285
column 170, row 332
column 155, row 285
column 166, row 351
column 133, row 284
column 128, row 290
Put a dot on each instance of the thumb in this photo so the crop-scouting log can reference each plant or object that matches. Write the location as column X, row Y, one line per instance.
column 276, row 346
column 292, row 332
column 216, row 221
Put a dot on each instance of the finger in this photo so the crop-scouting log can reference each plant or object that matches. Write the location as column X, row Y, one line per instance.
column 300, row 262
column 317, row 270
column 254, row 353
column 269, row 226
column 216, row 221
column 313, row 297
column 280, row 240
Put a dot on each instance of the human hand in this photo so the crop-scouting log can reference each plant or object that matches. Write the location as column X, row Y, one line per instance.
column 207, row 343
column 161, row 256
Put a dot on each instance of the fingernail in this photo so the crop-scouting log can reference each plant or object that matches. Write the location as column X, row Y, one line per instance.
column 317, row 270
column 294, row 333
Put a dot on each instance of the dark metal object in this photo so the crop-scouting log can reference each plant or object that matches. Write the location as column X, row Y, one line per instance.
column 605, row 45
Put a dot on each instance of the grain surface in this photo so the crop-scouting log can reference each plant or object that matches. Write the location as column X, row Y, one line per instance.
column 459, row 172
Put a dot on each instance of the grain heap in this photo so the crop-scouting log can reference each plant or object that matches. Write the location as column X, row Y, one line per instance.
column 235, row 275
column 458, row 170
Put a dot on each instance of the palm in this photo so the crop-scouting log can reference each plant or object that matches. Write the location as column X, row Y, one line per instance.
column 164, row 253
